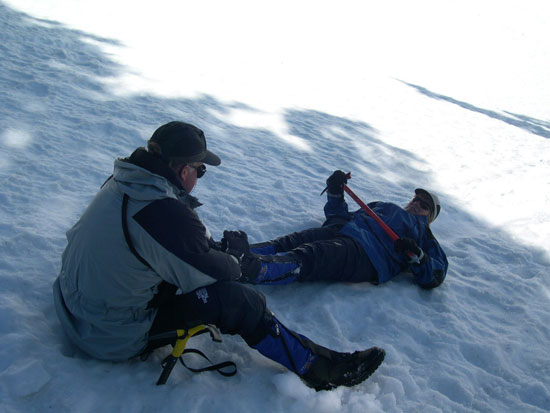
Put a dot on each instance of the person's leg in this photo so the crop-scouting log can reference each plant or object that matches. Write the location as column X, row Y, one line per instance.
column 338, row 258
column 232, row 307
column 291, row 241
column 238, row 309
column 317, row 366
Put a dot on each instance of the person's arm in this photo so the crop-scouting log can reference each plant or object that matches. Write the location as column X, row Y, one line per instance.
column 174, row 242
column 430, row 272
column 336, row 208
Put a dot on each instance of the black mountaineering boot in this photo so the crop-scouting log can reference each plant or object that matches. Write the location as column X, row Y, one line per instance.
column 343, row 369
column 317, row 366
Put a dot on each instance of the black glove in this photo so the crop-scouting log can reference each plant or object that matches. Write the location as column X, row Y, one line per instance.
column 336, row 182
column 235, row 243
column 408, row 246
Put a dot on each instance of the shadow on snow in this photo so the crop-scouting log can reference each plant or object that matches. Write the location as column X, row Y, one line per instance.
column 531, row 125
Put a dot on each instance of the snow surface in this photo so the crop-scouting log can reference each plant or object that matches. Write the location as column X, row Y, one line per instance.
column 449, row 95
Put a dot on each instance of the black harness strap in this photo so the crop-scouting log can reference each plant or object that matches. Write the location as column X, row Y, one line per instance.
column 170, row 361
column 213, row 367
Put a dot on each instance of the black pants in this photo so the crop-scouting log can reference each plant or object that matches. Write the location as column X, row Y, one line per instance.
column 233, row 307
column 327, row 255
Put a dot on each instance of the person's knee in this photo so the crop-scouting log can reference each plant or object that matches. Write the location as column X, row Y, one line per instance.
column 262, row 329
column 242, row 308
column 305, row 256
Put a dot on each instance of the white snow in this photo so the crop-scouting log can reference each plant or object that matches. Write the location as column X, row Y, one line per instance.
column 454, row 96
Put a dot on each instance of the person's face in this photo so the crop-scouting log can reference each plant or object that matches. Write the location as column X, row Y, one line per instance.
column 190, row 173
column 419, row 205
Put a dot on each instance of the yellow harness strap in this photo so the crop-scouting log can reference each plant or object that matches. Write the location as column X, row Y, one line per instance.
column 183, row 337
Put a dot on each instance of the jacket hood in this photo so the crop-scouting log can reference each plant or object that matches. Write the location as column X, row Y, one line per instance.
column 145, row 177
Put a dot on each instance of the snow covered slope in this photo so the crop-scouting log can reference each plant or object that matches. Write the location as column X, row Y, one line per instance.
column 452, row 97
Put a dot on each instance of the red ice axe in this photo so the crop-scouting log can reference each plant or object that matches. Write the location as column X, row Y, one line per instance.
column 369, row 211
column 373, row 215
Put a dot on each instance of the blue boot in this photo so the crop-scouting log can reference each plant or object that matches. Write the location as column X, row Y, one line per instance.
column 263, row 248
column 317, row 366
column 270, row 269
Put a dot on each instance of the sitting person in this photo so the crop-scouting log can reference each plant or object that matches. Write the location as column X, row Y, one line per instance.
column 352, row 246
column 141, row 239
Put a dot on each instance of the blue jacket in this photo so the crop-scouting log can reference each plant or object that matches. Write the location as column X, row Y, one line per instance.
column 378, row 245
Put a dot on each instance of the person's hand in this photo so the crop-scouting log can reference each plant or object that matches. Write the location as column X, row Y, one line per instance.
column 409, row 247
column 235, row 243
column 336, row 182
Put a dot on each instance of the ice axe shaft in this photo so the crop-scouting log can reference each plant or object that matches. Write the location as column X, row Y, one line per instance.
column 367, row 209
column 370, row 212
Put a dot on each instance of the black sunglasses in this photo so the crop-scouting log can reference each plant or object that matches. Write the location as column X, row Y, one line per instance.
column 201, row 170
column 425, row 205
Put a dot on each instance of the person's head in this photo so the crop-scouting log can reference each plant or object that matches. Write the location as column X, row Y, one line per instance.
column 182, row 147
column 424, row 203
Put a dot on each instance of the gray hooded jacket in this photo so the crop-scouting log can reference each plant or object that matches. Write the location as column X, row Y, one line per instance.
column 103, row 290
